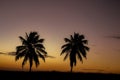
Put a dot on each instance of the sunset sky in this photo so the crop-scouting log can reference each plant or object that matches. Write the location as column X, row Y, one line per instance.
column 98, row 20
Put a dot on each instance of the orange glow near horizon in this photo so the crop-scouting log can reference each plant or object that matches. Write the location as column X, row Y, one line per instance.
column 57, row 64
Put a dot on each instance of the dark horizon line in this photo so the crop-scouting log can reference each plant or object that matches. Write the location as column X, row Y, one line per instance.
column 55, row 71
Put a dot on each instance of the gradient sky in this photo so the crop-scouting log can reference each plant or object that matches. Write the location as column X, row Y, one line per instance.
column 98, row 20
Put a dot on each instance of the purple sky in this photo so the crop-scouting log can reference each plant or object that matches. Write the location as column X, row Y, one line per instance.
column 98, row 20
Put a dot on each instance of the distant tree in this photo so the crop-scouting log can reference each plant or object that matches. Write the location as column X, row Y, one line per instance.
column 31, row 49
column 75, row 46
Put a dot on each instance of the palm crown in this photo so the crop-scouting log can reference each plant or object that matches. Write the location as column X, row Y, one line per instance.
column 75, row 46
column 31, row 48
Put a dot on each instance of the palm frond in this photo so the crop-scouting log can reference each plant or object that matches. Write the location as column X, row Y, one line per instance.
column 20, row 55
column 81, row 37
column 76, row 35
column 66, row 49
column 83, row 52
column 39, row 46
column 66, row 56
column 85, row 41
column 27, row 36
column 24, row 61
column 41, row 56
column 66, row 45
column 36, row 59
column 32, row 36
column 41, row 50
column 86, row 48
column 79, row 57
column 67, row 40
column 36, row 37
column 24, row 42
column 40, row 40
column 20, row 49
column 71, row 37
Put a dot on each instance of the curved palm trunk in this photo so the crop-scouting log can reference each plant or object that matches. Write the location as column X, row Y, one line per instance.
column 30, row 69
column 30, row 65
column 71, row 65
column 71, row 69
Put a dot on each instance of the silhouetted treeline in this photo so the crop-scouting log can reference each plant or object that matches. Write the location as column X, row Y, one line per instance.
column 44, row 75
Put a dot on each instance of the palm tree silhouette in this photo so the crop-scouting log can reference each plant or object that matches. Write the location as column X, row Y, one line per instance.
column 31, row 48
column 75, row 46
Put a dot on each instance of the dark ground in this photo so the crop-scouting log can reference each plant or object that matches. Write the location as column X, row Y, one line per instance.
column 15, row 75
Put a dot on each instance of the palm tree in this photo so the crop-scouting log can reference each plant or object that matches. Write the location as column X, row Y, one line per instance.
column 75, row 46
column 31, row 48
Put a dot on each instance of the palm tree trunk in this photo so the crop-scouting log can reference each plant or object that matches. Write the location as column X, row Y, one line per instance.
column 30, row 69
column 71, row 69
column 71, row 65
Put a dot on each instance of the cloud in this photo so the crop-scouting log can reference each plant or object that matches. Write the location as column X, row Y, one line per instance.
column 114, row 37
column 97, row 70
column 9, row 53
column 47, row 56
column 2, row 53
column 14, row 53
